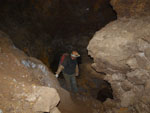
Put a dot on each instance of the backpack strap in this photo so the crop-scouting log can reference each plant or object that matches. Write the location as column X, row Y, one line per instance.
column 63, row 57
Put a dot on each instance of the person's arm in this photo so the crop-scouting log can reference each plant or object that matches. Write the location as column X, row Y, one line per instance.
column 77, row 70
column 60, row 68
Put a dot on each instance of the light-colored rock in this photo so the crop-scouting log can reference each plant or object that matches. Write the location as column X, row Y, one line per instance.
column 126, row 85
column 48, row 98
column 132, row 62
column 118, row 77
column 143, row 62
column 138, row 77
column 117, row 90
column 115, row 77
column 128, row 99
column 55, row 110
column 121, row 50
column 113, row 46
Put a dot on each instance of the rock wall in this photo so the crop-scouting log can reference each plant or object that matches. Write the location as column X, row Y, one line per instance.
column 130, row 8
column 26, row 83
column 121, row 50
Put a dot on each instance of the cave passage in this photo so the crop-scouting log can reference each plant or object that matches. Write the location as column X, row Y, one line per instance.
column 45, row 29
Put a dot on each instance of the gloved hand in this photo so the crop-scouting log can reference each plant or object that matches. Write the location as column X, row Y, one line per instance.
column 56, row 75
column 77, row 74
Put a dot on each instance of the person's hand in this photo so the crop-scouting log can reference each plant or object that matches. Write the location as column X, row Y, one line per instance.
column 56, row 75
column 77, row 74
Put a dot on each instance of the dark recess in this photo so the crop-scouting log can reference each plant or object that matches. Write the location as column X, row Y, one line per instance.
column 105, row 92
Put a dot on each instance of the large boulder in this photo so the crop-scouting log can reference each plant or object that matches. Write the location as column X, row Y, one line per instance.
column 121, row 50
column 47, row 99
column 121, row 46
column 24, row 81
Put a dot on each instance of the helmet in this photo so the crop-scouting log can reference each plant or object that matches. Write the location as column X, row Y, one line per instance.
column 75, row 54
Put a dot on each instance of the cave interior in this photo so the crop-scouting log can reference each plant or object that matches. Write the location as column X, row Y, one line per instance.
column 45, row 29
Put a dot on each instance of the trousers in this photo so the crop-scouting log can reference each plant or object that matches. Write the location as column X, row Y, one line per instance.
column 71, row 82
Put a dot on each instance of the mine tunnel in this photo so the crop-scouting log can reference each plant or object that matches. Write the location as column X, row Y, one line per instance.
column 45, row 29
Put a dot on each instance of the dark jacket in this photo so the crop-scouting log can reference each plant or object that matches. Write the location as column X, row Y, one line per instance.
column 69, row 65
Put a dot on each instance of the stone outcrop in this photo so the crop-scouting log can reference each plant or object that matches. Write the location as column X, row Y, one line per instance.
column 132, row 8
column 122, row 45
column 47, row 100
column 25, row 82
column 121, row 50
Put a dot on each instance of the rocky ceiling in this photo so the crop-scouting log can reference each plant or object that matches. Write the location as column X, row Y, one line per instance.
column 60, row 16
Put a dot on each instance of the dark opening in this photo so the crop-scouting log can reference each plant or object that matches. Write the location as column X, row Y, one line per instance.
column 105, row 92
column 101, row 90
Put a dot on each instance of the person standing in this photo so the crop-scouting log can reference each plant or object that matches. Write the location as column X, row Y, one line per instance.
column 70, row 69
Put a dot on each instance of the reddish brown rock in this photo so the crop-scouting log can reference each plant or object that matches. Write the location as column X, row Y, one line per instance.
column 121, row 51
column 130, row 8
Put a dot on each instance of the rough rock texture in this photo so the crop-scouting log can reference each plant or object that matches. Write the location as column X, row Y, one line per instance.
column 21, row 81
column 47, row 99
column 55, row 110
column 121, row 50
column 130, row 8
column 121, row 46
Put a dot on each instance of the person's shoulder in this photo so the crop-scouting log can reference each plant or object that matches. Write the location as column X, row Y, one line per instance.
column 67, row 57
